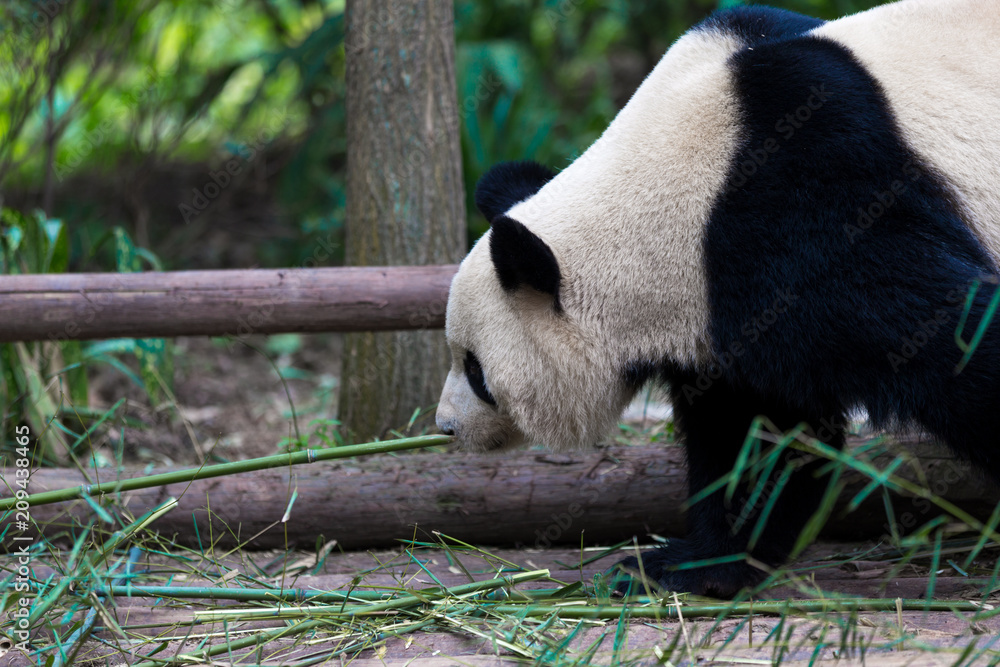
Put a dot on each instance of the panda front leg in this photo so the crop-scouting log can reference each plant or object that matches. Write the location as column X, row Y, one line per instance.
column 714, row 423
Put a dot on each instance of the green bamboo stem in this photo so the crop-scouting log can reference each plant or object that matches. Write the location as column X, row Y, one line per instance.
column 240, row 594
column 565, row 610
column 220, row 470
column 897, row 484
column 611, row 612
column 261, row 594
column 285, row 631
column 198, row 657
column 403, row 602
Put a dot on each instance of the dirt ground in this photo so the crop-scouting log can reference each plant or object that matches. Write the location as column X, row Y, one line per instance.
column 231, row 398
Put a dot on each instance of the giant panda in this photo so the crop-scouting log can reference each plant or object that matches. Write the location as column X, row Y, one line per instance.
column 785, row 220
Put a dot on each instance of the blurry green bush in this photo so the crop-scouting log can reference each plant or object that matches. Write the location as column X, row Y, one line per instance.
column 124, row 113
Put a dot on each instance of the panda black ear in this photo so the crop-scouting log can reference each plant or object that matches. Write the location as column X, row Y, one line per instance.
column 509, row 183
column 521, row 258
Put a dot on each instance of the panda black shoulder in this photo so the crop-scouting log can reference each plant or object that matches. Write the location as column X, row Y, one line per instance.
column 753, row 25
column 825, row 179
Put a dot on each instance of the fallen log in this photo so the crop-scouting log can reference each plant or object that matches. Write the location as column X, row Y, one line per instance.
column 217, row 303
column 532, row 498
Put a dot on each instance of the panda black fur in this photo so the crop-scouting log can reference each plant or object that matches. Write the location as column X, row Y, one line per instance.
column 781, row 209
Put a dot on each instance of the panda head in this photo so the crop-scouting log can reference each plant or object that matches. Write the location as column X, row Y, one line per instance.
column 524, row 367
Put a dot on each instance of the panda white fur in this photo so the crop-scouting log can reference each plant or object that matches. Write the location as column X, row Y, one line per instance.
column 838, row 182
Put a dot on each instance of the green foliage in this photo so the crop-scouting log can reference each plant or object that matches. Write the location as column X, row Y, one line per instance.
column 28, row 371
column 44, row 384
column 33, row 244
column 284, row 344
column 541, row 79
column 117, row 90
column 113, row 87
column 326, row 433
column 155, row 355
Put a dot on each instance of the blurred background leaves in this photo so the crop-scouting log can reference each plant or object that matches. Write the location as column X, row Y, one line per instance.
column 122, row 113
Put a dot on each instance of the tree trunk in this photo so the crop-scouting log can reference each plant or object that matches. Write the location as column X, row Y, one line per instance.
column 405, row 198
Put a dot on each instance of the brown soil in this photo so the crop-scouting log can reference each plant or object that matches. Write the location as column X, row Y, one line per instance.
column 229, row 397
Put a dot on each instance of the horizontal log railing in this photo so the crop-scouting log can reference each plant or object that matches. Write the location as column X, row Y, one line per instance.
column 217, row 303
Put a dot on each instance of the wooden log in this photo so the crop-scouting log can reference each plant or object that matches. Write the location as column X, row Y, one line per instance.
column 217, row 303
column 532, row 498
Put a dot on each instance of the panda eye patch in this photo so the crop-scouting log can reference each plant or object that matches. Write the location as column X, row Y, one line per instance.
column 474, row 373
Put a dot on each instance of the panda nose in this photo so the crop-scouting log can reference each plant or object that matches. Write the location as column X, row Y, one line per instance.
column 447, row 429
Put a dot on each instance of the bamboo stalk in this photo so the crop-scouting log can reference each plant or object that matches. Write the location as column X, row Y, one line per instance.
column 614, row 612
column 240, row 594
column 261, row 594
column 418, row 598
column 256, row 639
column 190, row 475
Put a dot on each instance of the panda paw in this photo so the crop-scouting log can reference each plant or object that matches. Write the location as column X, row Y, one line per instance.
column 660, row 567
